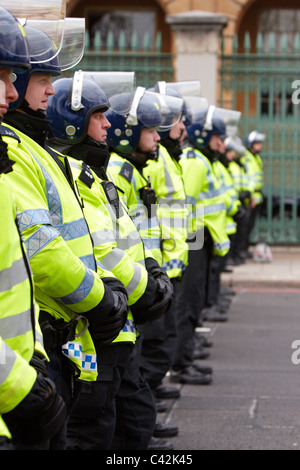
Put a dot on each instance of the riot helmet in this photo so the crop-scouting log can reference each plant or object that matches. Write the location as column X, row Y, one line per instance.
column 70, row 108
column 204, row 123
column 45, row 57
column 235, row 143
column 148, row 110
column 180, row 89
column 13, row 43
column 254, row 137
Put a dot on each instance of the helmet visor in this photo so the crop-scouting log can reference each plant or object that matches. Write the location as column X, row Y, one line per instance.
column 155, row 109
column 72, row 45
column 36, row 9
column 194, row 105
column 256, row 136
column 86, row 90
column 184, row 88
column 235, row 143
column 231, row 119
column 113, row 83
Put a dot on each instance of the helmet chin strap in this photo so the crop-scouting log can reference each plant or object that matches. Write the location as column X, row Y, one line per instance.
column 40, row 113
column 90, row 141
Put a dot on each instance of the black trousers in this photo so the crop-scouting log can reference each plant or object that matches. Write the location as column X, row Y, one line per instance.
column 253, row 214
column 192, row 297
column 214, row 280
column 118, row 411
column 6, row 444
column 61, row 371
column 159, row 342
column 239, row 242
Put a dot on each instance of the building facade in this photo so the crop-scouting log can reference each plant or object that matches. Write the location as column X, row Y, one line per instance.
column 244, row 52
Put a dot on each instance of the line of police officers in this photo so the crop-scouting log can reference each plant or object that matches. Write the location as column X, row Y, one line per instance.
column 118, row 208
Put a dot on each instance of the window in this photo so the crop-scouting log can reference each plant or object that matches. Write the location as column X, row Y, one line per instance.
column 278, row 22
column 128, row 22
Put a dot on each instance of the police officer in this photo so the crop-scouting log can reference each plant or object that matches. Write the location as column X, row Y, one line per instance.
column 30, row 407
column 207, row 235
column 69, row 290
column 166, row 179
column 133, row 139
column 122, row 414
column 234, row 149
column 234, row 213
column 254, row 167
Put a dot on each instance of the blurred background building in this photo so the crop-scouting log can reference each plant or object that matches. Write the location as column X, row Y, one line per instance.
column 246, row 55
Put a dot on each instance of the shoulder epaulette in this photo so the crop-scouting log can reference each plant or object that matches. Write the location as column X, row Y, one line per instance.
column 7, row 132
column 191, row 154
column 127, row 171
column 86, row 175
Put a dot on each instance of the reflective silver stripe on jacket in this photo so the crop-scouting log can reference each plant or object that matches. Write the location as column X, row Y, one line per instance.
column 110, row 261
column 33, row 217
column 7, row 358
column 12, row 276
column 69, row 231
column 39, row 239
column 82, row 290
column 15, row 325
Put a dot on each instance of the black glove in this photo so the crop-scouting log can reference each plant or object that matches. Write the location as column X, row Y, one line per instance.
column 244, row 195
column 56, row 332
column 241, row 212
column 163, row 298
column 105, row 327
column 41, row 414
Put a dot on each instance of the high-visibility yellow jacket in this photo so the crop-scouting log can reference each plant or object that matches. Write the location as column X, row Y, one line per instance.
column 206, row 199
column 239, row 175
column 230, row 193
column 166, row 178
column 18, row 312
column 254, row 168
column 131, row 182
column 57, row 242
column 118, row 246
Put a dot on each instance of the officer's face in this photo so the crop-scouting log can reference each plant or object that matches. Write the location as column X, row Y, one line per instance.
column 231, row 155
column 97, row 127
column 149, row 139
column 215, row 142
column 38, row 91
column 256, row 147
column 177, row 130
column 222, row 146
column 8, row 93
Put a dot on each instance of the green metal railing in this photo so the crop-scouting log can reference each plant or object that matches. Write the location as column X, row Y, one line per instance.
column 149, row 64
column 263, row 86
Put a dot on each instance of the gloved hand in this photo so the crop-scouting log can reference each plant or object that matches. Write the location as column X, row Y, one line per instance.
column 244, row 195
column 163, row 298
column 105, row 326
column 241, row 212
column 41, row 414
